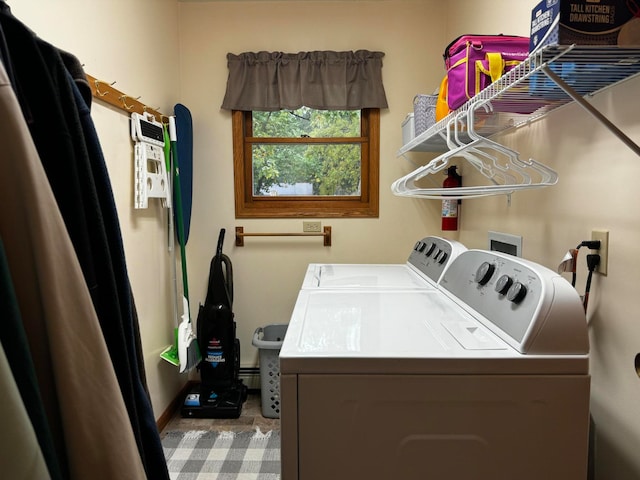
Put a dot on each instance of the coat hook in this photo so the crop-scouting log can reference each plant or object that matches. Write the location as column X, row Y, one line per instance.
column 123, row 99
column 100, row 94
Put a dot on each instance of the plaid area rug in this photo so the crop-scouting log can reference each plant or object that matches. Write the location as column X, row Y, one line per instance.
column 204, row 455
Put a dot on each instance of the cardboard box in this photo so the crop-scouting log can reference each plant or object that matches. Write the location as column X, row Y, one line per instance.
column 585, row 22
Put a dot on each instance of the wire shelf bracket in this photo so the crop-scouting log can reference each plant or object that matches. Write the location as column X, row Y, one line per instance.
column 580, row 100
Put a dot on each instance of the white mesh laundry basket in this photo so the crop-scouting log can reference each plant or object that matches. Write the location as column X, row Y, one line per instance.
column 269, row 341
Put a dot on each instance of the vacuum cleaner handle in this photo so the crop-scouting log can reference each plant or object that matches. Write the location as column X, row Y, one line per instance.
column 220, row 290
column 220, row 242
column 228, row 276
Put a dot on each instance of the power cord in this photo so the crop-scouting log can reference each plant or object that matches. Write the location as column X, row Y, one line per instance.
column 592, row 245
column 574, row 263
column 593, row 260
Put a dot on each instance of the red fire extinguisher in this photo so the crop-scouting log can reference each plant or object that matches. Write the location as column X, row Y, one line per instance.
column 451, row 208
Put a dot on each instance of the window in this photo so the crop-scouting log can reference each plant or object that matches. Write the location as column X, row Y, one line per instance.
column 306, row 132
column 306, row 163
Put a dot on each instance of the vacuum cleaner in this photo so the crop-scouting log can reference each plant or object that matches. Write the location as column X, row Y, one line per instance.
column 221, row 393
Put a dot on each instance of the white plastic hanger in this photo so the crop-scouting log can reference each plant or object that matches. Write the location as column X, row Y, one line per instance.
column 407, row 185
column 506, row 177
column 497, row 174
column 546, row 176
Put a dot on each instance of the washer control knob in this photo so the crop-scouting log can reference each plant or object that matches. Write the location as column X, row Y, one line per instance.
column 484, row 273
column 416, row 247
column 442, row 258
column 517, row 292
column 503, row 284
column 432, row 247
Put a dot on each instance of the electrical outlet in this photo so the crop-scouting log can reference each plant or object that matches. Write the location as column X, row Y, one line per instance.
column 311, row 227
column 603, row 236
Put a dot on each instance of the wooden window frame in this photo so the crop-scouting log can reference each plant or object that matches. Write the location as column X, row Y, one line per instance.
column 366, row 205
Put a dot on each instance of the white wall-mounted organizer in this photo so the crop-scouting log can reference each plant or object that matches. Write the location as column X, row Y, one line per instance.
column 549, row 78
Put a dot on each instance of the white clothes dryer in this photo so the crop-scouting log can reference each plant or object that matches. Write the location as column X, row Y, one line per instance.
column 483, row 377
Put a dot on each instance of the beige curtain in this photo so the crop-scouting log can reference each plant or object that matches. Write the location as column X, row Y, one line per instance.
column 270, row 81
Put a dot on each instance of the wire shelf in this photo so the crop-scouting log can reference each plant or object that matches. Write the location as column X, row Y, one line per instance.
column 529, row 92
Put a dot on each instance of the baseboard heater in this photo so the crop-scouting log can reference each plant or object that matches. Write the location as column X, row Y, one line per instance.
column 251, row 378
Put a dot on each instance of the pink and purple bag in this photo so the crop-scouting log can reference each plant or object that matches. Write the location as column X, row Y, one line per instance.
column 473, row 62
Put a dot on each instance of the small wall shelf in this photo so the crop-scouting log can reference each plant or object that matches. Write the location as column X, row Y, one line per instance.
column 550, row 78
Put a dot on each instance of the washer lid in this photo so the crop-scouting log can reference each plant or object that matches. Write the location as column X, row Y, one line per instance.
column 389, row 276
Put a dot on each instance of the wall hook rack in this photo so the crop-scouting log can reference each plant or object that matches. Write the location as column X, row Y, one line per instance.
column 107, row 93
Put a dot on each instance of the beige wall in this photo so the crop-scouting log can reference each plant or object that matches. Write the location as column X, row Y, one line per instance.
column 187, row 64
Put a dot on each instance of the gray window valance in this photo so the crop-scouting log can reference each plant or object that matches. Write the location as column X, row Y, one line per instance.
column 327, row 80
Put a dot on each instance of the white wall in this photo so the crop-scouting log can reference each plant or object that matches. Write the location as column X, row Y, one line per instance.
column 171, row 52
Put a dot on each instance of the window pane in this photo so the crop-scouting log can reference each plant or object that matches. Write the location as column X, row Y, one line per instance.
column 323, row 170
column 306, row 122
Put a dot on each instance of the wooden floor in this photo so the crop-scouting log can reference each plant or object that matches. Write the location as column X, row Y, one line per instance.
column 250, row 420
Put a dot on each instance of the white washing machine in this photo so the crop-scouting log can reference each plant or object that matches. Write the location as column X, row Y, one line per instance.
column 427, row 262
column 483, row 377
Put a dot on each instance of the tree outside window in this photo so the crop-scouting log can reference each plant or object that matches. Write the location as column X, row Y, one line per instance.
column 302, row 168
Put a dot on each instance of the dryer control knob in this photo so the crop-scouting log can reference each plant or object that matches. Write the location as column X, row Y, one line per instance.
column 517, row 292
column 432, row 247
column 503, row 284
column 484, row 273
